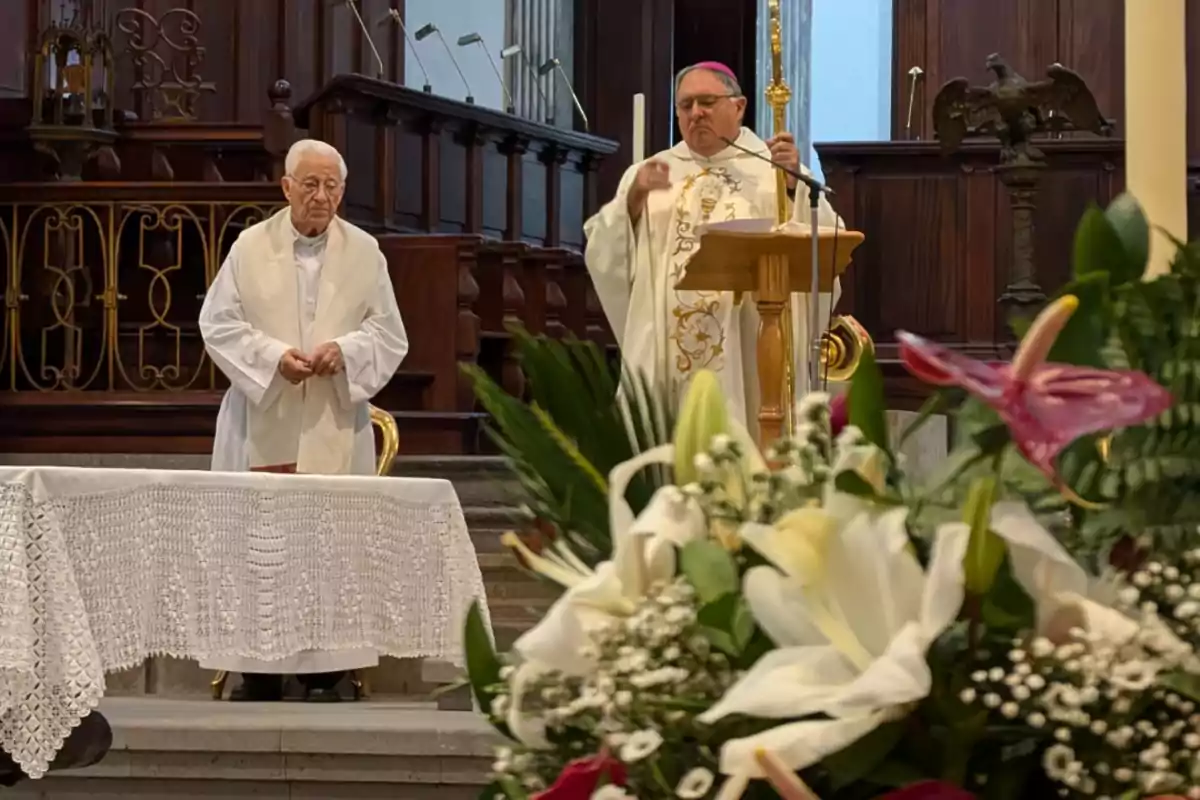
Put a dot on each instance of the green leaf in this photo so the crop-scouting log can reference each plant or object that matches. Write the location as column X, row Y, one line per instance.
column 483, row 665
column 1184, row 683
column 859, row 760
column 940, row 402
column 1082, row 339
column 710, row 569
column 1099, row 246
column 727, row 623
column 1129, row 222
column 866, row 405
column 985, row 550
column 1007, row 607
column 850, row 482
column 991, row 441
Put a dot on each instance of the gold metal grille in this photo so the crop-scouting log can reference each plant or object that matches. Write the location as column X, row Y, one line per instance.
column 105, row 295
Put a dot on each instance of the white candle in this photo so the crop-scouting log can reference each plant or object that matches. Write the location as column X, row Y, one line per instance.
column 639, row 128
column 1156, row 121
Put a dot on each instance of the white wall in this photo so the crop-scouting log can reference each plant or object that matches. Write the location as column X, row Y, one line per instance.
column 851, row 72
column 455, row 18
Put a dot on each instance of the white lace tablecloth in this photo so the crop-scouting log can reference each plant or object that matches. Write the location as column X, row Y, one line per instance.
column 103, row 568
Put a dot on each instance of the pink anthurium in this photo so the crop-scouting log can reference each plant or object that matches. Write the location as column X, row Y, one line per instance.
column 1046, row 406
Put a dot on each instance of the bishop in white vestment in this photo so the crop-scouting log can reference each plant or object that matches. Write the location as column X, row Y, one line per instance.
column 639, row 245
column 303, row 321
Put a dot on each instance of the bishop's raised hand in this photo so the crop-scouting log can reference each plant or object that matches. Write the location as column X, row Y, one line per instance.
column 651, row 176
column 784, row 151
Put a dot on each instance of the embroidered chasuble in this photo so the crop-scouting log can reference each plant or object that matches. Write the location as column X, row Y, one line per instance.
column 279, row 290
column 669, row 334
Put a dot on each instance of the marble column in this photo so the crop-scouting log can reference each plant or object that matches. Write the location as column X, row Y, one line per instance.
column 1156, row 120
column 796, row 22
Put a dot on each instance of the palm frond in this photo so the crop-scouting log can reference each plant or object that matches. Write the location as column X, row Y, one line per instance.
column 583, row 417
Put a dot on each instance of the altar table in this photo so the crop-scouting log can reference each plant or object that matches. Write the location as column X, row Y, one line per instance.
column 101, row 569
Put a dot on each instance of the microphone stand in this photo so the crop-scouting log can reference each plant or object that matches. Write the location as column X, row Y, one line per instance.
column 814, row 298
column 815, row 190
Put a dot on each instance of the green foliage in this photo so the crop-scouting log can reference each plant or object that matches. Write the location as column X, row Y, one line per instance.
column 985, row 550
column 483, row 665
column 563, row 441
column 866, row 405
column 710, row 569
column 1150, row 482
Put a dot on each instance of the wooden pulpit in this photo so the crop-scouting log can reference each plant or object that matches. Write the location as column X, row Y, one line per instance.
column 748, row 257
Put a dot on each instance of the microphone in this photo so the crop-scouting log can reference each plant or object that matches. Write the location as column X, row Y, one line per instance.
column 516, row 49
column 553, row 64
column 914, row 75
column 394, row 15
column 429, row 30
column 815, row 187
column 474, row 38
column 367, row 35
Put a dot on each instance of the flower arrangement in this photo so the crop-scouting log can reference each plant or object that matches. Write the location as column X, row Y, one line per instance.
column 812, row 621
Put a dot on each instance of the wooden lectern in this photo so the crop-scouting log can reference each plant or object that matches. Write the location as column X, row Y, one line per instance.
column 772, row 266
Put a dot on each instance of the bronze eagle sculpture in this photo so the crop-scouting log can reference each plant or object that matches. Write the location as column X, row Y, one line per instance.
column 1013, row 109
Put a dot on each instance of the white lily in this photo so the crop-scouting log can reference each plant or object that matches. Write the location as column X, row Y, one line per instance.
column 1064, row 594
column 643, row 554
column 853, row 453
column 853, row 626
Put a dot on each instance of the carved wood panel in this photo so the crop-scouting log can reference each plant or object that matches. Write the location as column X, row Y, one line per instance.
column 952, row 38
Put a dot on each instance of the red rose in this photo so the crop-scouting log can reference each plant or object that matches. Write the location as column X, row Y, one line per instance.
column 582, row 776
column 839, row 414
column 929, row 790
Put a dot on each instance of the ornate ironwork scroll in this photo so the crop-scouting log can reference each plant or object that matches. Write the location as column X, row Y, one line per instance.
column 167, row 56
column 105, row 296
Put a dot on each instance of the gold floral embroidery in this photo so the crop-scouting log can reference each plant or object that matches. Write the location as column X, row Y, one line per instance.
column 699, row 337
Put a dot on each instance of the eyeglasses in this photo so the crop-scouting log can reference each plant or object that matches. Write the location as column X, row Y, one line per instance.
column 705, row 101
column 314, row 185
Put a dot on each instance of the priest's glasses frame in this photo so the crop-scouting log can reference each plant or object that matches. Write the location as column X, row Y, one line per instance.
column 389, row 446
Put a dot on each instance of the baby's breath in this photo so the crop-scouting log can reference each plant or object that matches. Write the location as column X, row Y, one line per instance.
column 1111, row 727
column 802, row 466
column 1170, row 592
column 655, row 671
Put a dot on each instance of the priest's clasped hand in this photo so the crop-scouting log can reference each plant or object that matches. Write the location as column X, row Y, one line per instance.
column 784, row 151
column 325, row 360
column 295, row 366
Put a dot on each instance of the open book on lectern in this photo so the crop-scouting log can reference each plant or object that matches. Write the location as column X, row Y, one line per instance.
column 766, row 225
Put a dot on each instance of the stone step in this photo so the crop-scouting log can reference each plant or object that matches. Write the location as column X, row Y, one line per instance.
column 190, row 749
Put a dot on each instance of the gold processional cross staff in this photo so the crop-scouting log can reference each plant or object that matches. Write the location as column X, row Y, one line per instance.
column 778, row 95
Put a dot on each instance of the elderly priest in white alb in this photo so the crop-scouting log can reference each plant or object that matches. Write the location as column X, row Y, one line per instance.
column 302, row 320
column 639, row 244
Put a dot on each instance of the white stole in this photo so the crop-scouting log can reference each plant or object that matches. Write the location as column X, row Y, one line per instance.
column 311, row 424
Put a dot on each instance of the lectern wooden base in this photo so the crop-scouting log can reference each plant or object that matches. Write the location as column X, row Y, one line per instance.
column 772, row 265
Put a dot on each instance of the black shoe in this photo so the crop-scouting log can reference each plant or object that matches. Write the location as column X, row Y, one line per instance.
column 322, row 696
column 256, row 688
